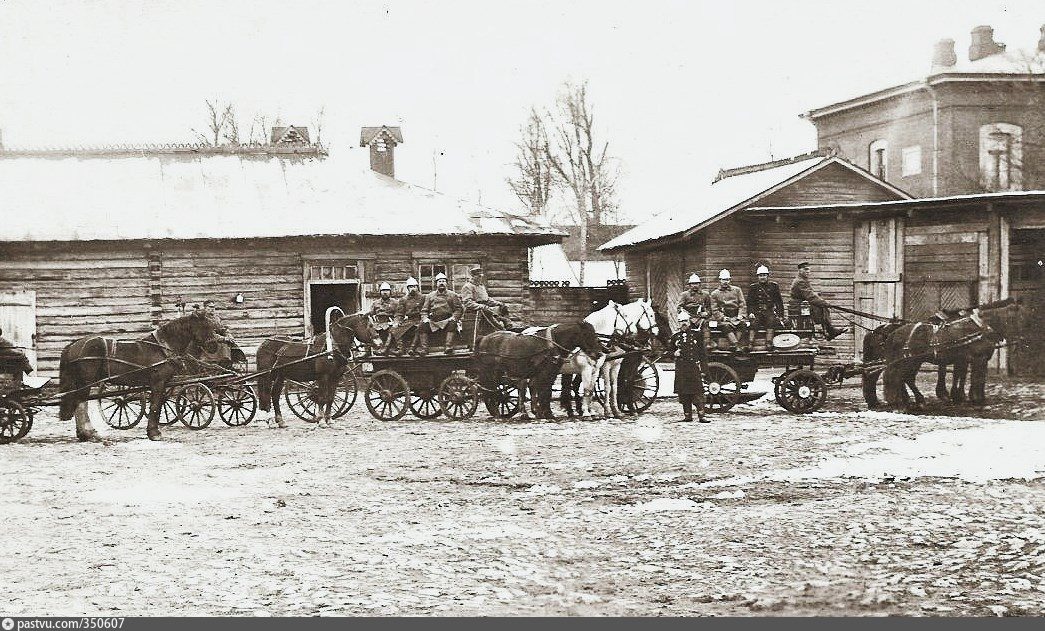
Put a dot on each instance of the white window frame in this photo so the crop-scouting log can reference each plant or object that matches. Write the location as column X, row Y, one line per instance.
column 1001, row 167
column 911, row 161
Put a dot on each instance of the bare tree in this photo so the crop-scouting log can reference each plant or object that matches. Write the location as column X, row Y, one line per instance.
column 533, row 181
column 580, row 161
column 259, row 130
column 317, row 124
column 231, row 133
column 217, row 119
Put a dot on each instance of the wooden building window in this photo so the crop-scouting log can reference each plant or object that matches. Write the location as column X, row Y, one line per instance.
column 1001, row 157
column 878, row 158
column 457, row 273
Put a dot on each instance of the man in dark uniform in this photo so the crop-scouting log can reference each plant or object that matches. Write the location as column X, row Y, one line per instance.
column 441, row 310
column 691, row 360
column 383, row 312
column 766, row 305
column 475, row 297
column 802, row 290
column 407, row 319
column 729, row 309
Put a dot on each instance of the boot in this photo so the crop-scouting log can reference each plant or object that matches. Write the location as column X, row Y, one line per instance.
column 687, row 411
column 451, row 337
column 751, row 337
column 770, row 333
column 732, row 339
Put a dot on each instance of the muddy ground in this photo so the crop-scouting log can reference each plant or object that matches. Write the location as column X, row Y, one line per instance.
column 757, row 513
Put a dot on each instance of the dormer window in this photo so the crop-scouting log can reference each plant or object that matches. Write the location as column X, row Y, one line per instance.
column 878, row 158
column 1001, row 157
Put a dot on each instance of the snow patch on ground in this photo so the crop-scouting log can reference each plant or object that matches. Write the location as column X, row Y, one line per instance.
column 648, row 431
column 159, row 493
column 667, row 504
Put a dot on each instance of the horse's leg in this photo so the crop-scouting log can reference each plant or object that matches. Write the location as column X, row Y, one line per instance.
column 894, row 387
column 978, row 379
column 157, row 395
column 919, row 400
column 941, row 380
column 521, row 385
column 611, row 387
column 961, row 372
column 869, row 381
column 586, row 383
column 565, row 392
column 277, row 390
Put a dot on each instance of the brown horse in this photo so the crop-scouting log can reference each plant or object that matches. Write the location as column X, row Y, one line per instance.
column 281, row 358
column 532, row 360
column 151, row 361
column 910, row 345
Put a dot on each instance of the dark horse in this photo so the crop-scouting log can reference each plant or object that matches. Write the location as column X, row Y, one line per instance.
column 531, row 360
column 906, row 347
column 151, row 361
column 281, row 358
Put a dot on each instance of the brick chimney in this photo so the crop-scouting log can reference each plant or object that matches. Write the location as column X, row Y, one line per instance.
column 983, row 44
column 382, row 142
column 943, row 54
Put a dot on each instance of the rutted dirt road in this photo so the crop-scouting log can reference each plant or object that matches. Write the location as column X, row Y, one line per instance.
column 752, row 514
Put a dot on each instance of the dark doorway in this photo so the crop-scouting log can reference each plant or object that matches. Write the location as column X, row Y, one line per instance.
column 1027, row 282
column 325, row 295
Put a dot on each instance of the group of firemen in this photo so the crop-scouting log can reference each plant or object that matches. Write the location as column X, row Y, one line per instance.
column 726, row 306
column 404, row 324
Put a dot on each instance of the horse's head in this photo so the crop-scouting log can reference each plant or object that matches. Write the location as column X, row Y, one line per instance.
column 661, row 331
column 588, row 341
column 641, row 318
column 358, row 326
column 197, row 328
column 1004, row 317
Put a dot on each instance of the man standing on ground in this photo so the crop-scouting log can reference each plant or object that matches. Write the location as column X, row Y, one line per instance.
column 691, row 361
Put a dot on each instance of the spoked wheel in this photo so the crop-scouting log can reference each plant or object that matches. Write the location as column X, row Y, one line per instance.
column 196, row 406
column 638, row 390
column 387, row 395
column 425, row 404
column 15, row 423
column 302, row 399
column 504, row 401
column 237, row 404
column 122, row 406
column 801, row 391
column 169, row 413
column 458, row 397
column 345, row 397
column 721, row 387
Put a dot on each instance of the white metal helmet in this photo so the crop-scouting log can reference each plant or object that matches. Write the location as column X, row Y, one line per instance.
column 385, row 286
column 440, row 276
column 693, row 278
column 762, row 269
column 411, row 281
column 724, row 275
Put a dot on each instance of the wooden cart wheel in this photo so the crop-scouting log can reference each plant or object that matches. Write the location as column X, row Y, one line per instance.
column 504, row 401
column 15, row 423
column 425, row 404
column 169, row 413
column 346, row 394
column 237, row 404
column 122, row 407
column 801, row 391
column 196, row 406
column 387, row 395
column 778, row 388
column 458, row 397
column 721, row 387
column 301, row 398
column 638, row 390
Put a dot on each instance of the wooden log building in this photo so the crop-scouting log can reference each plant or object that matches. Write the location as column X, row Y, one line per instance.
column 871, row 247
column 114, row 241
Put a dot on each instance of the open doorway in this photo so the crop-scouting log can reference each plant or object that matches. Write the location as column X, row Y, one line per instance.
column 325, row 295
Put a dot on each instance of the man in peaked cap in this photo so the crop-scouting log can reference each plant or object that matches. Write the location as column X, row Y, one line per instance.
column 441, row 310
column 766, row 305
column 383, row 312
column 407, row 318
column 476, row 298
column 802, row 291
column 730, row 309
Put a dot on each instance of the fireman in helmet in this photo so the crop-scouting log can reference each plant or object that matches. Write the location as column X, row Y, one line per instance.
column 382, row 312
column 442, row 310
column 729, row 309
column 766, row 304
column 407, row 319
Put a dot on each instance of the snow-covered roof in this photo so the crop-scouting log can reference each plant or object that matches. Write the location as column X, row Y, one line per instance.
column 549, row 263
column 725, row 196
column 69, row 197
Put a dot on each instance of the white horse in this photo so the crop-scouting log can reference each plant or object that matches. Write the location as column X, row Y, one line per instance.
column 580, row 364
column 615, row 321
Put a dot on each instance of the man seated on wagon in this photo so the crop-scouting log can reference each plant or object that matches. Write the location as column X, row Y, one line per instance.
column 442, row 310
column 766, row 304
column 694, row 302
column 802, row 291
column 729, row 309
column 383, row 311
column 407, row 318
column 476, row 298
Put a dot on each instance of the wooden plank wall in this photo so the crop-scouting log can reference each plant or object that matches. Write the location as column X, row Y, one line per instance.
column 123, row 289
column 826, row 242
column 567, row 304
column 834, row 184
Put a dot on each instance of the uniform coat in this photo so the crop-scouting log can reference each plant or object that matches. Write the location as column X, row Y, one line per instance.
column 728, row 303
column 766, row 303
column 695, row 302
column 691, row 360
column 442, row 305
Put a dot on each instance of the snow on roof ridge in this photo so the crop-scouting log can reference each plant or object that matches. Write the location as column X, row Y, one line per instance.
column 252, row 148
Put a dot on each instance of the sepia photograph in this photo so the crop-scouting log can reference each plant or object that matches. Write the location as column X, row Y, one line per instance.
column 528, row 308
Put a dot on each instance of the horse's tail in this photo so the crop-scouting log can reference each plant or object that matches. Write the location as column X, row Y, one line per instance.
column 69, row 382
column 265, row 362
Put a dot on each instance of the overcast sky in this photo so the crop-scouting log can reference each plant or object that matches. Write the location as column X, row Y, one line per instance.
column 680, row 88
